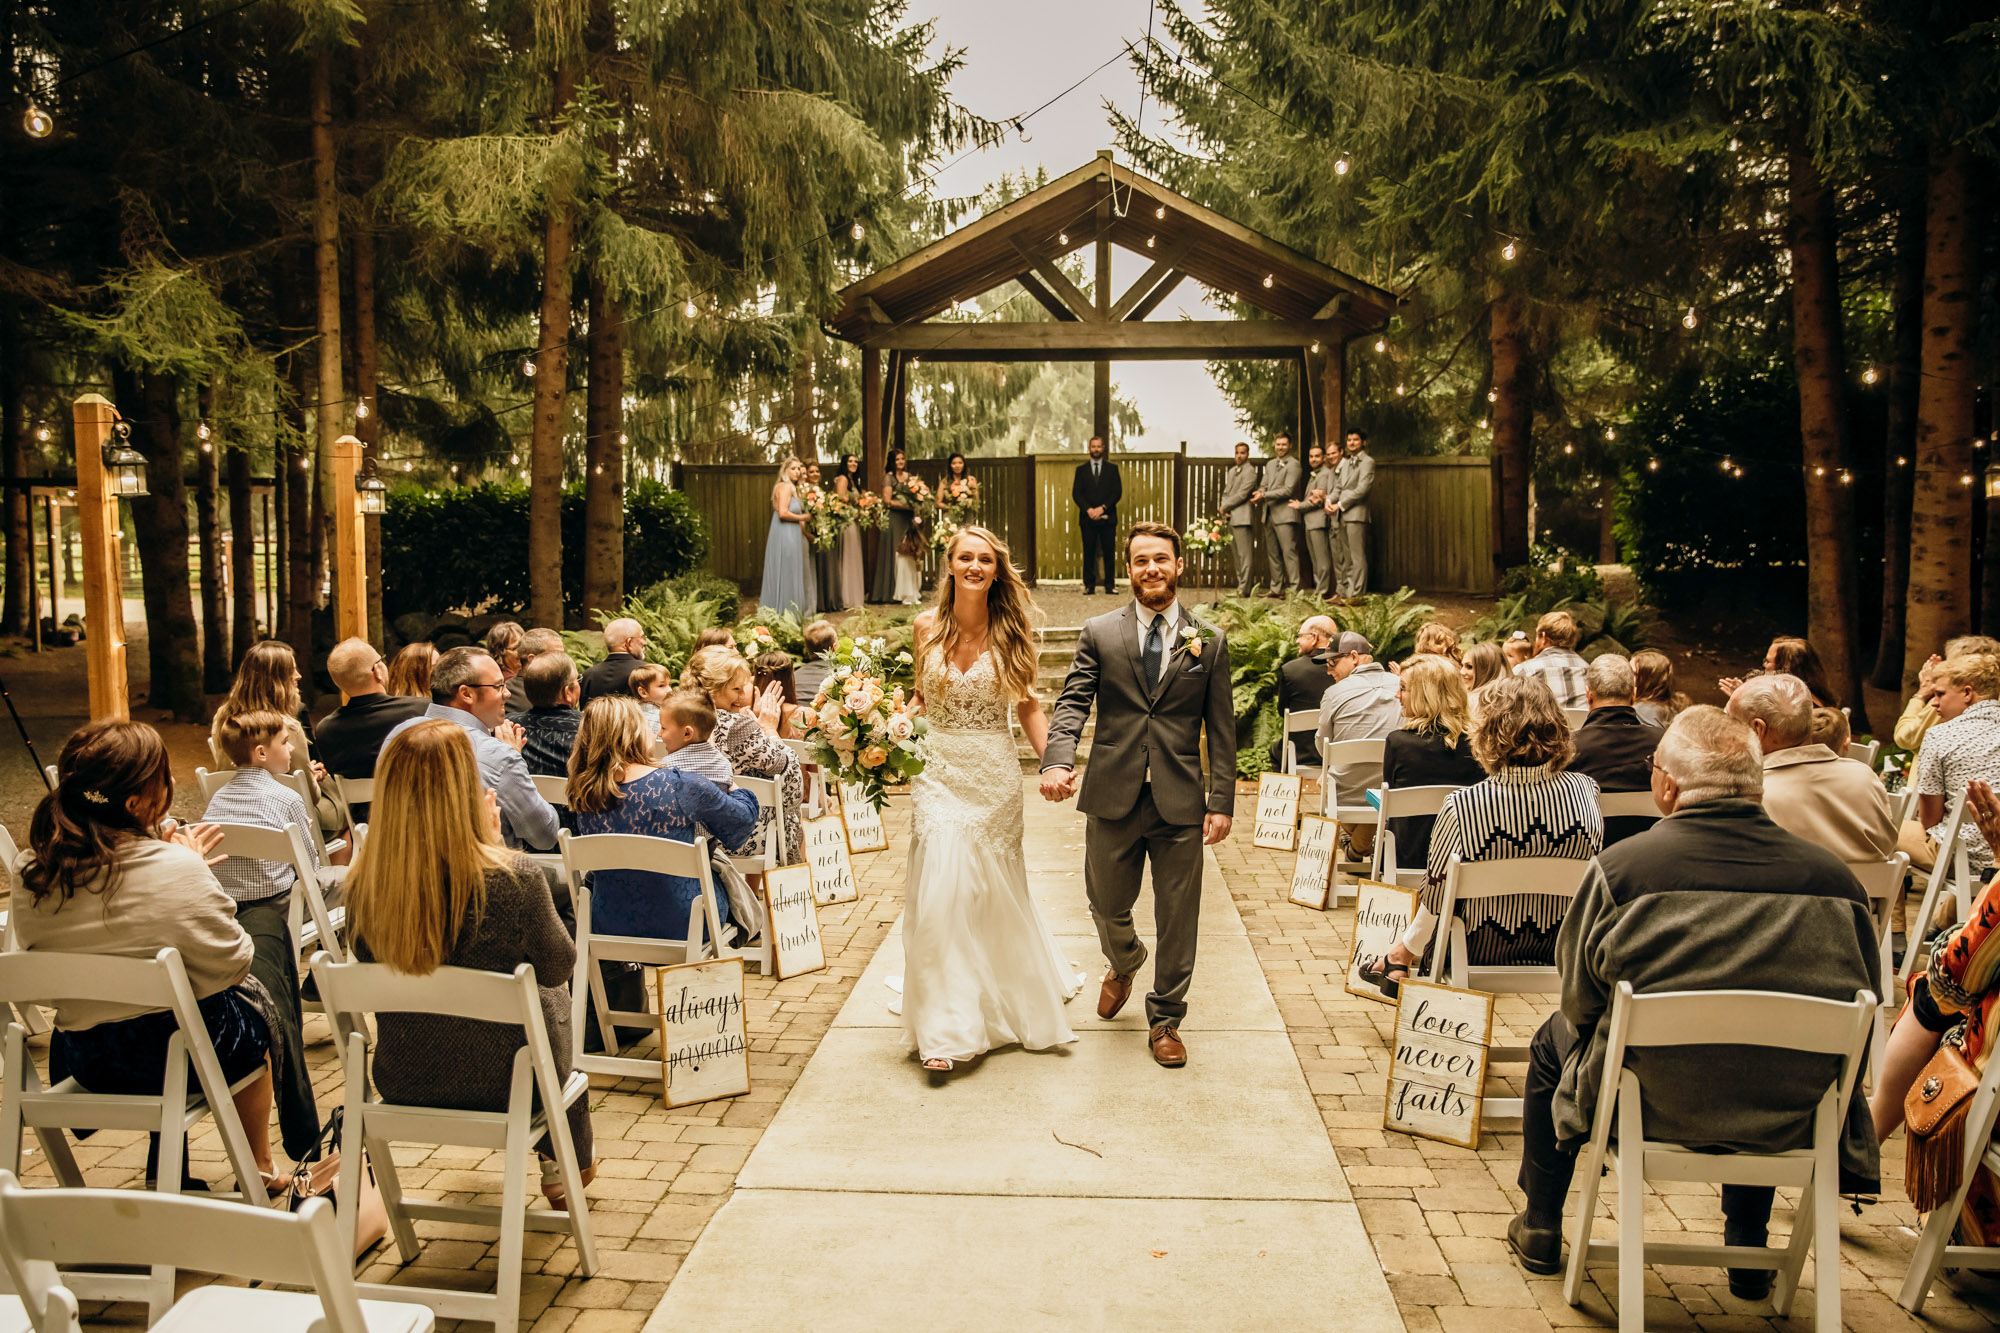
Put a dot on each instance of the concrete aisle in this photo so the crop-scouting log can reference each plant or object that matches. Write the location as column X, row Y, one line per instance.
column 1085, row 1189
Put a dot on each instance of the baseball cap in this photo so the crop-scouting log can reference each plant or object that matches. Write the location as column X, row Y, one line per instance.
column 1350, row 642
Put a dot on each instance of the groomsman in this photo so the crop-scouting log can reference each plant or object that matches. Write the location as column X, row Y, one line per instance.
column 1320, row 484
column 1350, row 512
column 1276, row 491
column 1239, row 483
column 1096, row 491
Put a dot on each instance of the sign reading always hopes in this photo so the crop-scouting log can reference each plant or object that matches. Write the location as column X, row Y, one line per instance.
column 1382, row 912
column 1313, row 871
column 793, row 922
column 1439, row 1071
column 864, row 822
column 1277, row 811
column 703, row 1053
column 826, row 853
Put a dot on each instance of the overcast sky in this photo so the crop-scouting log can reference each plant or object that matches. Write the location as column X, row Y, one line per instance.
column 1020, row 53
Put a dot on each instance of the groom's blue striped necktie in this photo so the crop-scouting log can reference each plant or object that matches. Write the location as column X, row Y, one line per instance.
column 1151, row 657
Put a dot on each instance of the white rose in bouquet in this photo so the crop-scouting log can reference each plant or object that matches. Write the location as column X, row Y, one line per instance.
column 900, row 728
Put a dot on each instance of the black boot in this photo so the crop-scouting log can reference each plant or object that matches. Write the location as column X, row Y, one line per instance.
column 1537, row 1250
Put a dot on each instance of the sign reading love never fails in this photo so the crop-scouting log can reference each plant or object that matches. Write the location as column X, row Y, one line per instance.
column 1437, row 1077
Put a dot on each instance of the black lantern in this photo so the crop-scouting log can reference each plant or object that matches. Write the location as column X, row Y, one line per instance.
column 374, row 492
column 124, row 466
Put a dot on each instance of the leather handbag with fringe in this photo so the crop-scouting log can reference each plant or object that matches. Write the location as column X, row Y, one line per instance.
column 1935, row 1111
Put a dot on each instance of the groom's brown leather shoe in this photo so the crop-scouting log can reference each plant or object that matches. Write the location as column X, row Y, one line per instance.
column 1168, row 1051
column 1112, row 995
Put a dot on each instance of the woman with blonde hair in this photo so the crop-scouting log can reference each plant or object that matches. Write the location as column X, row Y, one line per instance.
column 746, row 731
column 410, row 671
column 789, row 585
column 1436, row 639
column 615, row 788
column 983, row 969
column 433, row 887
column 267, row 681
column 1433, row 748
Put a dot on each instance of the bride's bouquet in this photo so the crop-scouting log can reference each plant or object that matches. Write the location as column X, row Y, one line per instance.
column 863, row 733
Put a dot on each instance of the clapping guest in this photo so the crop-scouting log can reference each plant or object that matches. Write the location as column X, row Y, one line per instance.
column 1792, row 656
column 1433, row 748
column 434, row 888
column 410, row 671
column 1656, row 701
column 1964, row 746
column 746, row 731
column 548, row 728
column 775, row 668
column 97, row 879
column 267, row 681
column 467, row 691
column 1920, row 714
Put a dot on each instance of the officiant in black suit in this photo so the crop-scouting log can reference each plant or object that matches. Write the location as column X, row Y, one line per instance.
column 1097, row 491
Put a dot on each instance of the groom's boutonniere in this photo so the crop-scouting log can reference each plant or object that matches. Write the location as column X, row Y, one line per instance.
column 1193, row 636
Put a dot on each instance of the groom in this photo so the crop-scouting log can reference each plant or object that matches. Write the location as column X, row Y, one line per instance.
column 1156, row 675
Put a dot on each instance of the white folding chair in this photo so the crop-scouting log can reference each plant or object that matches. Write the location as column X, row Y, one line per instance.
column 355, row 991
column 1903, row 806
column 1867, row 754
column 1951, row 874
column 1934, row 1248
column 1403, row 803
column 1576, row 717
column 815, row 776
column 212, row 781
column 1627, row 805
column 313, row 925
column 1882, row 881
column 1299, row 719
column 50, row 771
column 1728, row 1018
column 160, row 982
column 631, row 851
column 215, row 753
column 553, row 790
column 30, row 1016
column 40, row 1229
column 348, row 793
column 1333, row 754
column 1470, row 881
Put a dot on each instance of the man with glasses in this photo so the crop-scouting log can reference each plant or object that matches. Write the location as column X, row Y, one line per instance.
column 625, row 643
column 353, row 734
column 468, row 688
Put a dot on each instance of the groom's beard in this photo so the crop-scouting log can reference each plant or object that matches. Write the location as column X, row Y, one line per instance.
column 1159, row 597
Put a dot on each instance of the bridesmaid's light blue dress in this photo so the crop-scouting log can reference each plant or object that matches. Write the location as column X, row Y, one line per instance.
column 788, row 573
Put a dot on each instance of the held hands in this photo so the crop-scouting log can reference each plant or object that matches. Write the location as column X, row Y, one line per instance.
column 510, row 733
column 1257, row 494
column 1293, row 504
column 1058, row 784
column 202, row 838
column 1095, row 512
column 1214, row 828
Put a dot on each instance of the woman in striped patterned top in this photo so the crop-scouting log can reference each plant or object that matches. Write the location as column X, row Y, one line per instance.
column 1527, row 806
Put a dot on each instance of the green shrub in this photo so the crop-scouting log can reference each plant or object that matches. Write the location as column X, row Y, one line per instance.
column 1551, row 578
column 708, row 586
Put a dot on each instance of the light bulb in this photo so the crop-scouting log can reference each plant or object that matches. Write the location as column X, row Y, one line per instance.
column 406, row 467
column 1160, row 212
column 1901, row 461
column 1978, row 443
column 1507, row 251
column 524, row 474
column 42, row 434
column 1610, row 433
column 1846, row 477
column 528, row 367
column 1340, row 166
column 834, row 406
column 38, row 123
column 1267, row 279
column 1725, row 464
column 1400, row 391
column 623, row 439
column 857, row 231
column 1735, row 145
column 1150, row 240
column 1738, row 474
column 514, row 459
column 305, row 465
column 1819, row 472
column 1868, row 375
column 1965, row 480
column 201, row 432
column 1062, row 238
column 1315, row 348
column 843, row 363
column 361, row 410
column 206, row 446
column 598, row 470
column 1482, row 423
column 1688, row 320
column 1652, row 465
column 1569, row 448
column 688, row 309
column 1492, row 395
column 454, row 469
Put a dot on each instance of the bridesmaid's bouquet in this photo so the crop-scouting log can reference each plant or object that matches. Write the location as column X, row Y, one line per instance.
column 869, row 511
column 1206, row 536
column 827, row 515
column 958, row 499
column 864, row 733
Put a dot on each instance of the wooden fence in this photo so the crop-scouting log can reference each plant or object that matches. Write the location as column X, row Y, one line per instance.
column 1433, row 527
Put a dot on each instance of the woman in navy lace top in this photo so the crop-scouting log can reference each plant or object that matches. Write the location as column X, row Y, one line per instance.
column 614, row 788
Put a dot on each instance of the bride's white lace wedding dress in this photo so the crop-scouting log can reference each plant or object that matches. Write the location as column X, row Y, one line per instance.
column 981, row 969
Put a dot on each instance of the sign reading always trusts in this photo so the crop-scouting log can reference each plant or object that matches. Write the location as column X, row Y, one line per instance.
column 1438, row 1075
column 793, row 922
column 1277, row 812
column 826, row 853
column 864, row 822
column 703, row 1052
column 1312, row 873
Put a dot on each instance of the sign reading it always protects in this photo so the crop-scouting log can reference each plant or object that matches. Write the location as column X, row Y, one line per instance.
column 1312, row 873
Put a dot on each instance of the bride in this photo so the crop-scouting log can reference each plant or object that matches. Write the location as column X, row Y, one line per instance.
column 981, row 969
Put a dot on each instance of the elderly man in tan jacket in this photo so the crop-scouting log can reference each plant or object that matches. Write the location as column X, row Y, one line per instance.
column 1810, row 791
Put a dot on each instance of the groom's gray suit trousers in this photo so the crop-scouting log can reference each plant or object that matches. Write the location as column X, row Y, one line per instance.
column 1115, row 854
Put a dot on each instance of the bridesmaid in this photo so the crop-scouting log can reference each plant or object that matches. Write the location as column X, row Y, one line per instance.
column 851, row 584
column 825, row 563
column 788, row 575
column 902, row 515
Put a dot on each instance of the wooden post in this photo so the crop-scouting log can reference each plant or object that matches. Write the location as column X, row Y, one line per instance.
column 103, row 604
column 1100, row 377
column 899, row 402
column 270, row 569
column 1333, row 381
column 871, row 418
column 53, row 529
column 350, row 543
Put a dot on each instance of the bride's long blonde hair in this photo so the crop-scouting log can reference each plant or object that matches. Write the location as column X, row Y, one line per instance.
column 1011, row 617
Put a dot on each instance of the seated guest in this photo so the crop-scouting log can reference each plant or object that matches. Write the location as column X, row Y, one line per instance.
column 1789, row 655
column 715, row 636
column 503, row 642
column 433, row 888
column 687, row 720
column 1964, row 745
column 1556, row 663
column 822, row 641
column 262, row 891
column 97, row 879
column 614, row 788
column 1713, row 896
column 1809, row 791
column 466, row 690
column 1656, row 700
column 1360, row 705
column 625, row 648
column 1482, row 664
column 1302, row 683
column 1435, row 639
column 775, row 669
column 1921, row 714
column 746, row 731
column 410, row 670
column 1517, row 649
column 549, row 726
column 268, row 682
column 650, row 685
column 1528, row 805
column 1613, row 747
column 351, row 736
column 1433, row 748
column 1829, row 728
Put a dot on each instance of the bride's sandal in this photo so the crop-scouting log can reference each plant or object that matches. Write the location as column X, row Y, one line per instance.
column 938, row 1064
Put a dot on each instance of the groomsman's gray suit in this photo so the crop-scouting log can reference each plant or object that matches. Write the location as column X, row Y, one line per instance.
column 1357, row 479
column 1237, row 484
column 1281, row 484
column 1143, row 789
column 1316, row 525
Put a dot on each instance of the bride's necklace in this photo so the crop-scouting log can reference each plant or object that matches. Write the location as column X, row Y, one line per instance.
column 979, row 646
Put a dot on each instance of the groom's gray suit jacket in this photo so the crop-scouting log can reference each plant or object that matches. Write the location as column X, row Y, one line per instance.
column 1137, row 726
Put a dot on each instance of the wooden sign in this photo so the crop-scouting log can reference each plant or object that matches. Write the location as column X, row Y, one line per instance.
column 1312, row 873
column 1382, row 912
column 863, row 821
column 792, row 922
column 703, row 1052
column 826, row 854
column 1438, row 1074
column 1277, row 812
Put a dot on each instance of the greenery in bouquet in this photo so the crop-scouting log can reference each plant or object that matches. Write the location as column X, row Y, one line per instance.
column 864, row 730
column 1206, row 536
column 869, row 511
column 827, row 514
column 771, row 631
column 957, row 500
column 885, row 638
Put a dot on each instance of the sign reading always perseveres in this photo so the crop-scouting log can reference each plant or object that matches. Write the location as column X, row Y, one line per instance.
column 826, row 853
column 1438, row 1073
column 864, row 822
column 1382, row 912
column 703, row 1052
column 793, row 922
column 1313, row 871
column 1277, row 812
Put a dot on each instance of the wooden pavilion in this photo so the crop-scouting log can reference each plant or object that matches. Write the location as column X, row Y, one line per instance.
column 1311, row 311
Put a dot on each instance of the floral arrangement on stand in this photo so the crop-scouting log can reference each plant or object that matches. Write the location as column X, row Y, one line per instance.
column 1206, row 536
column 863, row 732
